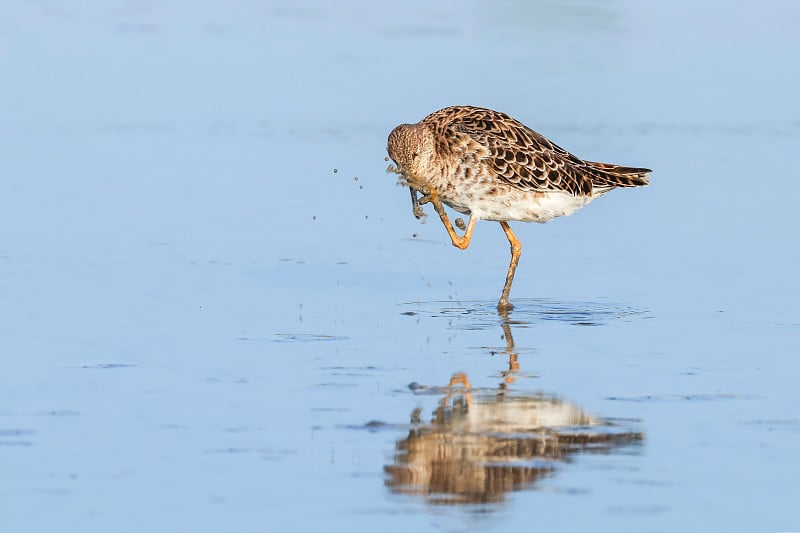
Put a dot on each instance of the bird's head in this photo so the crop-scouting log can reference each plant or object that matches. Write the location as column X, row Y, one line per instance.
column 411, row 147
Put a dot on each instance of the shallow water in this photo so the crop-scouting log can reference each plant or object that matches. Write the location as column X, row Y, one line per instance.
column 218, row 312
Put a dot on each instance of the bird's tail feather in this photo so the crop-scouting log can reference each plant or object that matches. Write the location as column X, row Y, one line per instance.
column 618, row 176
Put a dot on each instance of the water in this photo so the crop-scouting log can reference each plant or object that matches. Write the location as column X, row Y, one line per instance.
column 207, row 328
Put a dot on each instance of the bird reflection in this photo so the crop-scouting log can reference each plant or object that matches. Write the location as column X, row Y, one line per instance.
column 513, row 362
column 482, row 444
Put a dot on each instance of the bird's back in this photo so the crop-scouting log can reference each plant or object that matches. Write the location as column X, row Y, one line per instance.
column 521, row 157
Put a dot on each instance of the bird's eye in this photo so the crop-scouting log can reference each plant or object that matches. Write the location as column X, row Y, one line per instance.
column 415, row 155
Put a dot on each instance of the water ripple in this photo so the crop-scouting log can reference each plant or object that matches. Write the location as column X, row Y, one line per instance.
column 527, row 312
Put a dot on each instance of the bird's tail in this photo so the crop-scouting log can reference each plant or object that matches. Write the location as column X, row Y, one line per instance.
column 609, row 176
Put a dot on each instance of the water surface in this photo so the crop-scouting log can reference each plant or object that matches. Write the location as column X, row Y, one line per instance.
column 219, row 314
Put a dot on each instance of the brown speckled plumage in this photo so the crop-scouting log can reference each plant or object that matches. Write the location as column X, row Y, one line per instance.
column 486, row 164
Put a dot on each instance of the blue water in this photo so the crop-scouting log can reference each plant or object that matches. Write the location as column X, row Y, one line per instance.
column 217, row 312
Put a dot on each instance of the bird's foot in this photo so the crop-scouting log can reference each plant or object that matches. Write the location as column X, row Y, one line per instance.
column 504, row 306
column 426, row 197
column 429, row 195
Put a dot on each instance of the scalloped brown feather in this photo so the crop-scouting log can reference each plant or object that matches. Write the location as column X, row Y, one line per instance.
column 521, row 157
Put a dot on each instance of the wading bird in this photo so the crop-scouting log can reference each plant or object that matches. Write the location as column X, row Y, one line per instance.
column 487, row 165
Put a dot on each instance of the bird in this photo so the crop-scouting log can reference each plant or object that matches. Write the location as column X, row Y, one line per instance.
column 490, row 166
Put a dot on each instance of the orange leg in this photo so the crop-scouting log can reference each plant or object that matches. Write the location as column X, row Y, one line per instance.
column 463, row 242
column 457, row 379
column 458, row 242
column 516, row 250
column 513, row 369
column 513, row 362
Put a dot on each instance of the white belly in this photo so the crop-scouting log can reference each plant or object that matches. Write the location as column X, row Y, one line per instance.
column 523, row 206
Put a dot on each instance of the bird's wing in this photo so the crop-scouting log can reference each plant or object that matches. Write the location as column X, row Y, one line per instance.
column 522, row 157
